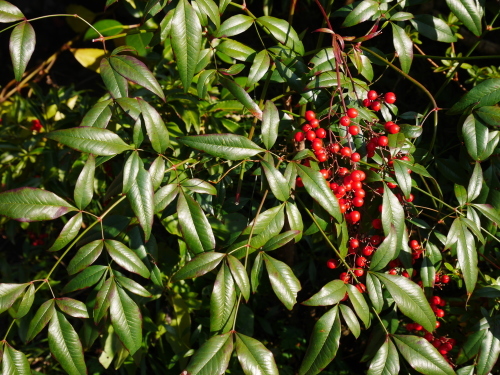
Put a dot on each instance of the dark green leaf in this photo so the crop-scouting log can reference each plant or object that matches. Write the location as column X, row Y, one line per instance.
column 471, row 347
column 256, row 272
column 422, row 355
column 325, row 79
column 259, row 68
column 469, row 12
column 467, row 257
column 102, row 300
column 374, row 289
column 242, row 96
column 239, row 275
column 9, row 293
column 323, row 344
column 359, row 304
column 486, row 93
column 157, row 172
column 236, row 50
column 490, row 115
column 277, row 183
column 155, row 127
column 141, row 196
column 133, row 286
column 186, row 36
column 226, row 146
column 386, row 361
column 324, row 60
column 393, row 215
column 72, row 307
column 385, row 252
column 475, row 183
column 205, row 79
column 21, row 46
column 475, row 137
column 283, row 281
column 223, row 302
column 410, row 299
column 363, row 12
column 85, row 279
column 199, row 186
column 427, row 273
column 126, row 258
column 85, row 256
column 280, row 240
column 116, row 84
column 84, row 188
column 68, row 233
column 234, row 25
column 211, row 10
column 403, row 46
column 25, row 303
column 330, row 294
column 270, row 124
column 294, row 218
column 351, row 320
column 212, row 357
column 254, row 357
column 433, row 28
column 42, row 316
column 9, row 12
column 13, row 361
column 164, row 197
column 283, row 32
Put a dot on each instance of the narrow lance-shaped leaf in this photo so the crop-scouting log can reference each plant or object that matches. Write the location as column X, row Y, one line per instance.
column 90, row 276
column 211, row 10
column 386, row 361
column 198, row 266
column 489, row 352
column 403, row 177
column 234, row 25
column 133, row 286
column 489, row 211
column 85, row 256
column 385, row 252
column 363, row 11
column 351, row 320
column 270, row 124
column 157, row 172
column 186, row 37
column 283, row 281
column 116, row 84
column 393, row 215
column 42, row 316
column 68, row 233
column 403, row 46
column 278, row 184
column 467, row 11
column 359, row 304
column 433, row 28
column 240, row 276
column 374, row 288
column 141, row 198
column 467, row 257
column 21, row 45
column 84, row 188
column 164, row 196
column 25, row 303
column 155, row 127
column 14, row 362
column 126, row 258
column 259, row 68
column 99, row 115
column 280, row 240
column 323, row 344
column 475, row 135
column 242, row 96
column 283, row 32
column 254, row 357
column 199, row 186
column 212, row 357
column 330, row 294
column 101, row 305
column 72, row 307
column 475, row 183
column 294, row 218
column 130, row 171
column 31, row 204
column 223, row 302
column 9, row 293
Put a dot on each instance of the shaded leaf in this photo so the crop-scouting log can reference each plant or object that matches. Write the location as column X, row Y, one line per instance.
column 155, row 127
column 23, row 307
column 283, row 32
column 101, row 305
column 280, row 240
column 84, row 188
column 198, row 266
column 126, row 258
column 85, row 256
column 42, row 316
column 351, row 320
column 88, row 277
column 164, row 196
column 199, row 186
column 133, row 286
column 13, row 361
column 242, row 96
column 330, row 294
column 223, row 302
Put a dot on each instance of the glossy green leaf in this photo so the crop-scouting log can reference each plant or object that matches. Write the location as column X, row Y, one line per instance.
column 68, row 233
column 433, row 28
column 92, row 140
column 226, row 146
column 9, row 12
column 401, row 16
column 385, row 252
column 31, row 204
column 254, row 357
column 259, row 68
column 318, row 188
column 488, row 210
column 486, row 93
column 72, row 307
column 393, row 215
column 157, row 172
column 14, row 362
column 212, row 357
column 403, row 46
column 467, row 370
column 116, row 84
column 204, row 81
column 240, row 276
column 474, row 227
column 427, row 273
column 490, row 115
column 294, row 218
column 211, row 10
column 324, row 80
column 460, row 194
column 323, row 344
column 467, row 257
column 324, row 60
column 386, row 361
column 141, row 198
column 133, row 286
column 9, row 293
column 283, row 281
column 130, row 170
column 471, row 346
column 236, row 50
column 23, row 307
column 107, row 27
column 164, row 196
column 475, row 183
column 488, row 353
column 270, row 124
column 21, row 46
column 330, row 294
column 280, row 240
column 475, row 135
column 242, row 96
column 469, row 12
column 359, row 304
column 101, row 305
column 363, row 12
column 136, row 71
column 194, row 225
column 422, row 355
column 234, row 25
column 186, row 39
column 374, row 289
column 256, row 272
column 283, row 32
column 155, row 127
column 84, row 188
column 351, row 320
column 223, row 302
column 199, row 186
column 402, row 177
column 85, row 256
column 410, row 299
column 42, row 316
column 88, row 277
column 276, row 181
column 126, row 318
column 126, row 258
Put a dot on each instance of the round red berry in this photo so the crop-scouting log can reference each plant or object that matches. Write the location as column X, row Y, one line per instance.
column 332, row 263
column 445, row 279
column 358, row 202
column 306, row 128
column 310, row 115
column 361, row 262
column 414, row 244
column 390, row 97
column 382, row 141
column 355, row 216
column 372, row 95
column 344, row 276
column 343, row 171
column 299, row 182
column 311, row 135
column 325, row 173
column 355, row 157
column 317, row 144
column 375, row 106
column 361, row 287
column 377, row 223
column 320, row 133
column 394, row 129
column 367, row 102
column 334, row 148
column 322, row 157
column 346, row 151
column 352, row 112
column 391, row 185
column 299, row 136
column 359, row 272
column 314, row 123
column 440, row 313
column 345, row 121
column 353, row 130
column 367, row 250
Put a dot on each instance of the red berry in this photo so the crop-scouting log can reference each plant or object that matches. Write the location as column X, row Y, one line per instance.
column 377, row 223
column 375, row 106
column 334, row 148
column 320, row 133
column 332, row 263
column 438, row 324
column 299, row 137
column 410, row 326
column 394, row 129
column 367, row 102
column 372, row 95
column 414, row 244
column 410, row 198
column 393, row 271
column 352, row 112
column 358, row 202
column 355, row 157
column 359, row 272
column 363, row 175
column 36, row 126
column 310, row 115
column 390, row 97
column 346, row 151
column 359, row 193
column 405, row 274
column 361, row 262
column 383, row 141
column 344, row 276
column 306, row 128
column 357, row 185
column 361, row 287
column 354, row 243
column 439, row 313
column 314, row 123
column 311, row 135
column 387, row 125
column 445, row 279
column 353, row 130
column 299, row 182
column 375, row 239
column 391, row 185
column 322, row 157
column 428, row 336
column 334, row 186
column 343, row 171
column 367, row 250
column 345, row 121
column 355, row 216
column 326, row 173
column 436, row 300
column 418, row 327
column 356, row 175
column 317, row 144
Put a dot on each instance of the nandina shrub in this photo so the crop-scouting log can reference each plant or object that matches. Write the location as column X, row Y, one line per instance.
column 234, row 167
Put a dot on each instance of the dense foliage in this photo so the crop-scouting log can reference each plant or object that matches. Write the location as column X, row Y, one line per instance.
column 253, row 188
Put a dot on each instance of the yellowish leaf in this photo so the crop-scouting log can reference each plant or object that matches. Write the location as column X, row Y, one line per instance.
column 89, row 57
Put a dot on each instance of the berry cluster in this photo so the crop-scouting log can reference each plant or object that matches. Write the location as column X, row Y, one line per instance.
column 37, row 239
column 36, row 125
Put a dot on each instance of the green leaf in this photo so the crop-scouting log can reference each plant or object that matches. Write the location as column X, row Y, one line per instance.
column 460, row 194
column 294, row 219
column 186, row 37
column 242, row 96
column 130, row 170
column 101, row 305
column 236, row 50
column 254, row 357
column 403, row 177
column 401, row 16
column 259, row 68
column 410, row 299
column 107, row 27
column 13, row 361
column 135, row 71
column 471, row 347
column 84, row 188
column 133, row 286
column 126, row 258
column 486, row 93
column 490, row 115
column 85, row 256
column 468, row 12
column 475, row 183
column 157, row 172
column 116, row 84
column 374, row 289
column 194, row 225
column 68, row 233
column 31, row 204
column 24, row 306
column 283, row 281
column 155, row 127
column 422, row 355
column 488, row 210
column 283, row 32
column 393, row 215
column 280, row 240
column 330, row 294
column 318, row 188
column 488, row 353
column 256, row 272
column 199, row 186
column 42, row 316
column 385, row 252
column 475, row 136
column 323, row 344
column 226, row 146
column 96, row 141
column 21, row 46
column 205, row 79
column 223, row 302
column 126, row 318
column 234, row 25
column 85, row 279
column 141, row 198
column 212, row 357
column 351, row 320
column 363, row 12
column 270, row 124
column 72, row 307
column 386, row 361
column 403, row 46
column 359, row 304
column 467, row 257
column 9, row 293
column 433, row 28
column 211, row 10
column 239, row 275
column 9, row 13
column 325, row 79
column 164, row 197
column 278, row 184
